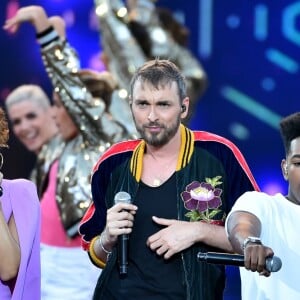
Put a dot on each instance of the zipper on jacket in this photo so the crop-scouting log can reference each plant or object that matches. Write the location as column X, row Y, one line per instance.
column 181, row 254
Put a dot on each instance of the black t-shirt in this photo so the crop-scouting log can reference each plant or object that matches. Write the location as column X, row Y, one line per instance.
column 149, row 275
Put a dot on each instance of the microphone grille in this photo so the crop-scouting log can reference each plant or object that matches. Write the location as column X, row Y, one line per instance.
column 201, row 256
column 122, row 197
column 273, row 264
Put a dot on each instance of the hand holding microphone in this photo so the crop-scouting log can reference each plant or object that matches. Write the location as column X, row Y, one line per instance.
column 273, row 264
column 123, row 198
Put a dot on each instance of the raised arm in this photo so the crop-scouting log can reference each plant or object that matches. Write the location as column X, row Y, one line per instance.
column 30, row 14
column 164, row 45
column 62, row 65
column 123, row 53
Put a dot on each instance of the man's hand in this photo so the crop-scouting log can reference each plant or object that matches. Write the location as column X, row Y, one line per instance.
column 119, row 220
column 177, row 236
column 255, row 258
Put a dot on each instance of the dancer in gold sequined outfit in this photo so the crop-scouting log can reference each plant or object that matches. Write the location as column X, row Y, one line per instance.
column 87, row 129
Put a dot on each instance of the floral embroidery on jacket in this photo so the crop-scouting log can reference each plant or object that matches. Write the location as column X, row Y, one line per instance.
column 203, row 200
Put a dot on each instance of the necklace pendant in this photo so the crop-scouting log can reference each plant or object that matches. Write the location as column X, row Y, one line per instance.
column 156, row 182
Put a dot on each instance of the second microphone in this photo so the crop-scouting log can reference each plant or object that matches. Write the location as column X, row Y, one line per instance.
column 273, row 264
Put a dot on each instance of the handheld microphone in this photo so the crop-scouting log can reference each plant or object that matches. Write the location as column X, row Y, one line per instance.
column 122, row 197
column 273, row 264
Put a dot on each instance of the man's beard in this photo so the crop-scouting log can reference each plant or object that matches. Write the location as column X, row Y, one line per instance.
column 161, row 138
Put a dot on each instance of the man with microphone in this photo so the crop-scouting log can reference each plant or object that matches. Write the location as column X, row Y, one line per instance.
column 261, row 225
column 176, row 186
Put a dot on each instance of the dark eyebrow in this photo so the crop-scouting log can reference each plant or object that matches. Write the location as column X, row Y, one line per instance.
column 139, row 101
column 163, row 102
column 144, row 101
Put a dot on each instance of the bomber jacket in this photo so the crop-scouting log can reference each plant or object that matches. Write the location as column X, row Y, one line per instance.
column 206, row 162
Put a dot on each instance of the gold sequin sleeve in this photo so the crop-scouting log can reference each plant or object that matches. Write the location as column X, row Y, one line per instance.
column 164, row 46
column 88, row 113
column 126, row 55
column 123, row 52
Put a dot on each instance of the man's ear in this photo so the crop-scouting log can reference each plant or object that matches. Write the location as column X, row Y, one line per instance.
column 185, row 107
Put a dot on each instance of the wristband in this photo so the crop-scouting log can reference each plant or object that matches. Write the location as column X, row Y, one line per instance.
column 93, row 255
column 102, row 246
column 47, row 36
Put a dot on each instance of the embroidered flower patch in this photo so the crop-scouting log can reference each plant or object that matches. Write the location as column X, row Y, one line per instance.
column 202, row 199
